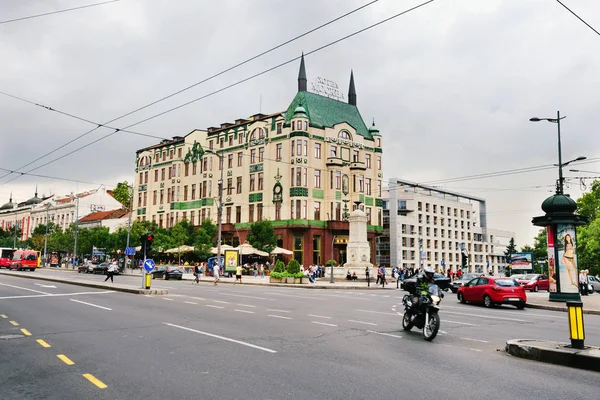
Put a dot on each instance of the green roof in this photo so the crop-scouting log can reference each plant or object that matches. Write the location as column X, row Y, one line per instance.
column 325, row 112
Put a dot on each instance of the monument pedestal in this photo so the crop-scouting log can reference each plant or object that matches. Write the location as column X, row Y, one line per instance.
column 358, row 249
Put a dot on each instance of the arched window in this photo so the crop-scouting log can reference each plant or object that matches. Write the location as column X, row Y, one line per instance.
column 345, row 135
column 257, row 133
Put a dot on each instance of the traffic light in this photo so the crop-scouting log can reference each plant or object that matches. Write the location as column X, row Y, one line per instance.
column 149, row 239
column 463, row 260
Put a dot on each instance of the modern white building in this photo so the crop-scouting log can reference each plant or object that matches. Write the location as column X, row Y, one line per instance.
column 440, row 225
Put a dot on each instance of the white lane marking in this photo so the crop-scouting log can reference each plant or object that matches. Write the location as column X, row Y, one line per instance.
column 210, row 305
column 485, row 316
column 319, row 316
column 460, row 323
column 147, row 295
column 322, row 323
column 244, row 311
column 46, row 286
column 293, row 295
column 246, row 305
column 474, row 340
column 22, row 288
column 190, row 302
column 276, row 310
column 386, row 295
column 197, row 298
column 378, row 312
column 443, row 332
column 361, row 322
column 345, row 297
column 223, row 338
column 529, row 312
column 166, row 298
column 90, row 304
column 222, row 302
column 52, row 295
column 458, row 347
column 386, row 334
column 248, row 297
column 278, row 316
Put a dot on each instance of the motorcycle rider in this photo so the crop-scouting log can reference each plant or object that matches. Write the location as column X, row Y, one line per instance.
column 424, row 279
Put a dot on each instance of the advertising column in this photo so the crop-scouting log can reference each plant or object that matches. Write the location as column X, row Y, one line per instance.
column 567, row 258
column 551, row 261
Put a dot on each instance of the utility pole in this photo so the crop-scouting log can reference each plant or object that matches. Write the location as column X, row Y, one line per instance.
column 220, row 211
column 46, row 238
column 76, row 229
column 129, row 228
column 420, row 251
column 15, row 237
column 331, row 265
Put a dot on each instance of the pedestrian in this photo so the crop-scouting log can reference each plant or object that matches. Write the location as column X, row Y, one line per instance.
column 262, row 271
column 216, row 274
column 238, row 274
column 112, row 268
column 196, row 273
column 383, row 281
column 378, row 275
column 367, row 274
column 255, row 271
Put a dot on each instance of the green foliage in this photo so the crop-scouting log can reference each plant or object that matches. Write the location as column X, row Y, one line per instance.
column 262, row 236
column 589, row 204
column 293, row 267
column 510, row 249
column 277, row 275
column 279, row 267
column 330, row 263
column 202, row 239
column 286, row 274
column 122, row 193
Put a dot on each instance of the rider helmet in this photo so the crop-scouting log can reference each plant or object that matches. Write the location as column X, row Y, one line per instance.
column 429, row 272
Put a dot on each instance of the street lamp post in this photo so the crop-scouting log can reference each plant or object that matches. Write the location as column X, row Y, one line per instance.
column 220, row 212
column 560, row 184
column 76, row 198
column 420, row 251
column 15, row 235
column 130, row 188
column 46, row 238
column 331, row 265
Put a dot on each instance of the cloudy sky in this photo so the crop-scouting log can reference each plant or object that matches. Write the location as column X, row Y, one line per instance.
column 451, row 85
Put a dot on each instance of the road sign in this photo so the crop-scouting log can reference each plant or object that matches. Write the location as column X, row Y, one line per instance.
column 443, row 263
column 130, row 251
column 149, row 265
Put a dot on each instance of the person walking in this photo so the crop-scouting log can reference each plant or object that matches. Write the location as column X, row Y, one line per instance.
column 262, row 271
column 197, row 272
column 112, row 268
column 238, row 274
column 255, row 271
column 216, row 274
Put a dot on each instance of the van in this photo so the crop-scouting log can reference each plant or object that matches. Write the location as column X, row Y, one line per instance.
column 25, row 259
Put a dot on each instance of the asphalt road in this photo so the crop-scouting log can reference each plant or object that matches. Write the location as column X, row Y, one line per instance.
column 252, row 342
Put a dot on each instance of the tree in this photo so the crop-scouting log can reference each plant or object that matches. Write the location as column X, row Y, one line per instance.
column 262, row 236
column 510, row 250
column 203, row 237
column 589, row 204
column 122, row 193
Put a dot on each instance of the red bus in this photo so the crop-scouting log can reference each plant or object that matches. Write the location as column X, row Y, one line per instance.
column 6, row 256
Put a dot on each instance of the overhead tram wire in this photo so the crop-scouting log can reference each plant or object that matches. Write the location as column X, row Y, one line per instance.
column 578, row 17
column 239, row 82
column 57, row 12
column 190, row 86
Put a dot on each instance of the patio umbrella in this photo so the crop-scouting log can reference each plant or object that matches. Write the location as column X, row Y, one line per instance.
column 180, row 249
column 279, row 250
column 214, row 250
column 246, row 249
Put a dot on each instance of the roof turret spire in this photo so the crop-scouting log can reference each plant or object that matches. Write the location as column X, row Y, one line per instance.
column 352, row 90
column 302, row 76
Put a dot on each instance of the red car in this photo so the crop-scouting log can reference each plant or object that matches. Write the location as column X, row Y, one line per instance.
column 535, row 282
column 492, row 290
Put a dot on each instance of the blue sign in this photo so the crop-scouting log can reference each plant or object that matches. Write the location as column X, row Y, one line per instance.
column 443, row 263
column 149, row 265
column 130, row 251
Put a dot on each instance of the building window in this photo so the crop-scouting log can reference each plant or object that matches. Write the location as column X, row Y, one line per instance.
column 318, row 150
column 299, row 248
column 155, row 175
column 171, row 152
column 299, row 147
column 164, row 156
column 338, row 180
column 210, row 144
column 278, row 149
column 146, row 177
column 305, row 177
column 179, row 152
column 252, row 177
column 298, row 209
column 368, row 212
column 186, row 170
column 251, row 213
column 252, row 156
column 277, row 211
column 220, row 163
column 156, row 157
column 333, row 152
column 379, row 188
column 368, row 186
column 145, row 197
column 355, row 156
column 338, row 211
column 154, row 197
column 162, row 196
column 317, row 178
column 293, row 147
column 194, row 191
column 238, row 214
column 379, row 163
column 261, row 154
column 238, row 186
column 293, row 125
column 231, row 140
column 368, row 161
column 229, row 186
column 228, row 215
column 259, row 212
column 193, row 217
column 185, row 193
column 298, row 176
column 240, row 159
column 306, row 148
column 260, row 181
column 317, row 215
column 162, row 174
column 345, row 135
column 304, row 209
column 279, row 127
column 222, row 142
column 361, row 183
column 241, row 138
column 317, row 250
column 230, row 161
column 168, row 195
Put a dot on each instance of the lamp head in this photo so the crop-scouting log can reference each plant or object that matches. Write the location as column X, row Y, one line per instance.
column 534, row 119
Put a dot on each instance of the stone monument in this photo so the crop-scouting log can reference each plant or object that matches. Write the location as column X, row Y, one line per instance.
column 358, row 249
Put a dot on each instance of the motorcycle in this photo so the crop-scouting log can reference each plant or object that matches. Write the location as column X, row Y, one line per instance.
column 425, row 315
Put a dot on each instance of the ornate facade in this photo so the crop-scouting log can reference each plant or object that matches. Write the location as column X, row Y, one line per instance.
column 305, row 169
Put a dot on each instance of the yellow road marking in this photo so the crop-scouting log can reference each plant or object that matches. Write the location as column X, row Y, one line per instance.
column 15, row 323
column 65, row 359
column 43, row 343
column 25, row 332
column 95, row 381
column 3, row 316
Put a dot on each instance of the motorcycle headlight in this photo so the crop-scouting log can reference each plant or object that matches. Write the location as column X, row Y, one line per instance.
column 435, row 299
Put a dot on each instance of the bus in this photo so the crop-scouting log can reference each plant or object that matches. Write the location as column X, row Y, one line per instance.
column 6, row 256
column 25, row 259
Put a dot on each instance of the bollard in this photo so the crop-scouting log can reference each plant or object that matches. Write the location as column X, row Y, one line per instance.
column 576, row 329
column 147, row 280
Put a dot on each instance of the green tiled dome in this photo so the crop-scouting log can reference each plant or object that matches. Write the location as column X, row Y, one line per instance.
column 559, row 203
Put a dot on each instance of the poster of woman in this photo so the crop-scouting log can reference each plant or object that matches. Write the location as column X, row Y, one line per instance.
column 567, row 258
column 551, row 261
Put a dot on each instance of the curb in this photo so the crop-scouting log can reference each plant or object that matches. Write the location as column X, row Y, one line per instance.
column 89, row 284
column 300, row 285
column 561, row 354
column 558, row 308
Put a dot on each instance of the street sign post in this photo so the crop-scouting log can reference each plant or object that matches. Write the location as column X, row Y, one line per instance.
column 149, row 265
column 130, row 251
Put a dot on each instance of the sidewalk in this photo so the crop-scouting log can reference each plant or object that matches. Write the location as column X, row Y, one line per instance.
column 591, row 304
column 555, row 353
column 321, row 283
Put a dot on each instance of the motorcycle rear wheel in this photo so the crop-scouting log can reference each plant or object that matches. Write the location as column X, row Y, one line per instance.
column 407, row 325
column 431, row 328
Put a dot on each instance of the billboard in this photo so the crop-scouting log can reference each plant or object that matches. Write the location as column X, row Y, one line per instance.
column 522, row 261
column 231, row 260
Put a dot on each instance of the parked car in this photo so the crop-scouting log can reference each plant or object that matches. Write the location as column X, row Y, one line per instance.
column 535, row 282
column 87, row 268
column 167, row 272
column 516, row 277
column 101, row 268
column 463, row 280
column 25, row 259
column 410, row 283
column 492, row 290
column 594, row 282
